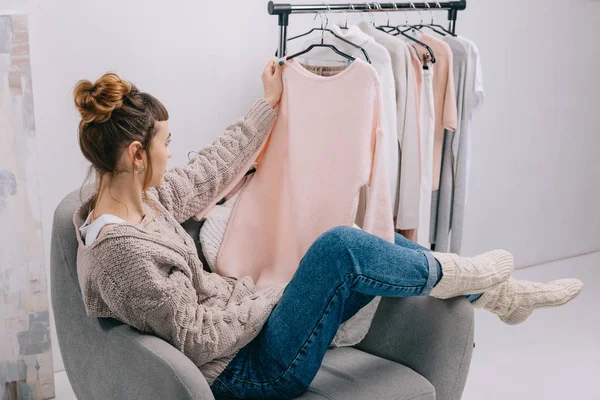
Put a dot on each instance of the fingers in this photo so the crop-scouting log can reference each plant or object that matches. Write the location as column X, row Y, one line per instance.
column 274, row 67
column 270, row 68
column 279, row 64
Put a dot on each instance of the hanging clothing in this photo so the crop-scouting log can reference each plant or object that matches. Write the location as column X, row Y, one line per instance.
column 411, row 234
column 449, row 202
column 381, row 61
column 212, row 234
column 444, row 96
column 324, row 148
column 323, row 166
column 408, row 135
column 427, row 153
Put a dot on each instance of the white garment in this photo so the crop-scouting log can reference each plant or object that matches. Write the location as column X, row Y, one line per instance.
column 476, row 98
column 381, row 61
column 213, row 230
column 427, row 143
column 89, row 232
column 407, row 128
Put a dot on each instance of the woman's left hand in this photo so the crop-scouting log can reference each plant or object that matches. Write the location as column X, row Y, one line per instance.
column 273, row 82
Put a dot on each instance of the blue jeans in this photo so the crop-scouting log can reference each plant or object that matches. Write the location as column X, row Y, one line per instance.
column 341, row 272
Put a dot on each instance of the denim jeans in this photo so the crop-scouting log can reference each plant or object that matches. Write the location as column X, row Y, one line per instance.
column 341, row 272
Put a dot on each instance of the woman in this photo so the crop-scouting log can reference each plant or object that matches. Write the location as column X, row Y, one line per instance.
column 137, row 264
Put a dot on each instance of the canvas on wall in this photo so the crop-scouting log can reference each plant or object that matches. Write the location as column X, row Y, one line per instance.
column 26, row 370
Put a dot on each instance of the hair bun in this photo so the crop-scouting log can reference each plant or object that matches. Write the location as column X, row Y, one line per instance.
column 97, row 101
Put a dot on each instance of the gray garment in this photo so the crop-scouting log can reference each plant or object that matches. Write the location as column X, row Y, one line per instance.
column 448, row 202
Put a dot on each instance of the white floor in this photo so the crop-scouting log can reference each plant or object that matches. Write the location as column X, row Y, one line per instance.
column 554, row 355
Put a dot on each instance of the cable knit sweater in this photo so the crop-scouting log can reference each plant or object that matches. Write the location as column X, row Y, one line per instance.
column 149, row 276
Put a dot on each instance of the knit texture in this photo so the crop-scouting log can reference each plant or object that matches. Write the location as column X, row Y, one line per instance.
column 515, row 300
column 149, row 276
column 470, row 275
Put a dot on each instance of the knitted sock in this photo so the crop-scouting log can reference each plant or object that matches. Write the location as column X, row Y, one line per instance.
column 471, row 297
column 514, row 300
column 468, row 275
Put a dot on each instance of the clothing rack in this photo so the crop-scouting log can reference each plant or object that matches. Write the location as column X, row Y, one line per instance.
column 284, row 11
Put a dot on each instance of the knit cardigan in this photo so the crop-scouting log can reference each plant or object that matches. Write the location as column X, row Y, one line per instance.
column 148, row 275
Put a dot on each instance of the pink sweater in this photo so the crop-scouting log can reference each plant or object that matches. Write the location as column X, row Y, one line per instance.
column 322, row 166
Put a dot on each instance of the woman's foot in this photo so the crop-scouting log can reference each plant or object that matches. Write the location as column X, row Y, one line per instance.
column 514, row 300
column 466, row 275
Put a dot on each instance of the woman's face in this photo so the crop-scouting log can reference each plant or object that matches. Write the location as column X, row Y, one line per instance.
column 160, row 153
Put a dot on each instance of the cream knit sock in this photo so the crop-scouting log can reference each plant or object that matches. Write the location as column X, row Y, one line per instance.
column 468, row 275
column 514, row 300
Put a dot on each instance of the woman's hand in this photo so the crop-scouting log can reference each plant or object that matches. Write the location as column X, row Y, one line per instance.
column 273, row 82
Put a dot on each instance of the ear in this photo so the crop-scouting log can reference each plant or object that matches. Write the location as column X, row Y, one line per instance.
column 136, row 154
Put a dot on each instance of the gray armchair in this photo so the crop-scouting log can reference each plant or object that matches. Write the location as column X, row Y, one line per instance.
column 417, row 348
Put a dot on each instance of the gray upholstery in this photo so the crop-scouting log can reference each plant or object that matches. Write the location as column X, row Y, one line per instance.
column 415, row 348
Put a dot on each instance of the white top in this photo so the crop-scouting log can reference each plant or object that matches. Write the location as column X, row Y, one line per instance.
column 427, row 149
column 89, row 232
column 407, row 126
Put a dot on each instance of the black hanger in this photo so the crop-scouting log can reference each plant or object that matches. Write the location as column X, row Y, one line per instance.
column 431, row 25
column 395, row 31
column 419, row 42
column 330, row 46
column 389, row 28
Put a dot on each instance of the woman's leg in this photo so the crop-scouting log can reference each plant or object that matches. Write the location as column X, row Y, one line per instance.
column 401, row 240
column 358, row 300
column 283, row 359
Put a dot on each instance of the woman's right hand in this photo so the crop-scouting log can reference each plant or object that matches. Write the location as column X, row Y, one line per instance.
column 273, row 82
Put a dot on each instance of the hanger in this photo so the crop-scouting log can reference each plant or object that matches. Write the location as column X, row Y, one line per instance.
column 323, row 44
column 400, row 32
column 440, row 26
column 431, row 25
column 406, row 24
column 390, row 27
column 345, row 26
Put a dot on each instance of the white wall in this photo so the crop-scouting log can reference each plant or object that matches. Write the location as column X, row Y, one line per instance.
column 13, row 7
column 534, row 186
column 535, row 183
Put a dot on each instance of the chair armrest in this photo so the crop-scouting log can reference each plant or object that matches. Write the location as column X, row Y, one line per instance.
column 136, row 365
column 431, row 336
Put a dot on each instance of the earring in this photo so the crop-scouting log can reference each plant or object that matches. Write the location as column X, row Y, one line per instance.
column 142, row 170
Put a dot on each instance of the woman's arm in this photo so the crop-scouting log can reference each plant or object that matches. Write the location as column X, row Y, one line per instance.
column 159, row 298
column 187, row 190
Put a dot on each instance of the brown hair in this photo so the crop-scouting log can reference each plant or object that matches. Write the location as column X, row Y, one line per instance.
column 114, row 113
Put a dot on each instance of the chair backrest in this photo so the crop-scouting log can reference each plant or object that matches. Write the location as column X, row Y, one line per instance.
column 96, row 351
column 79, row 336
